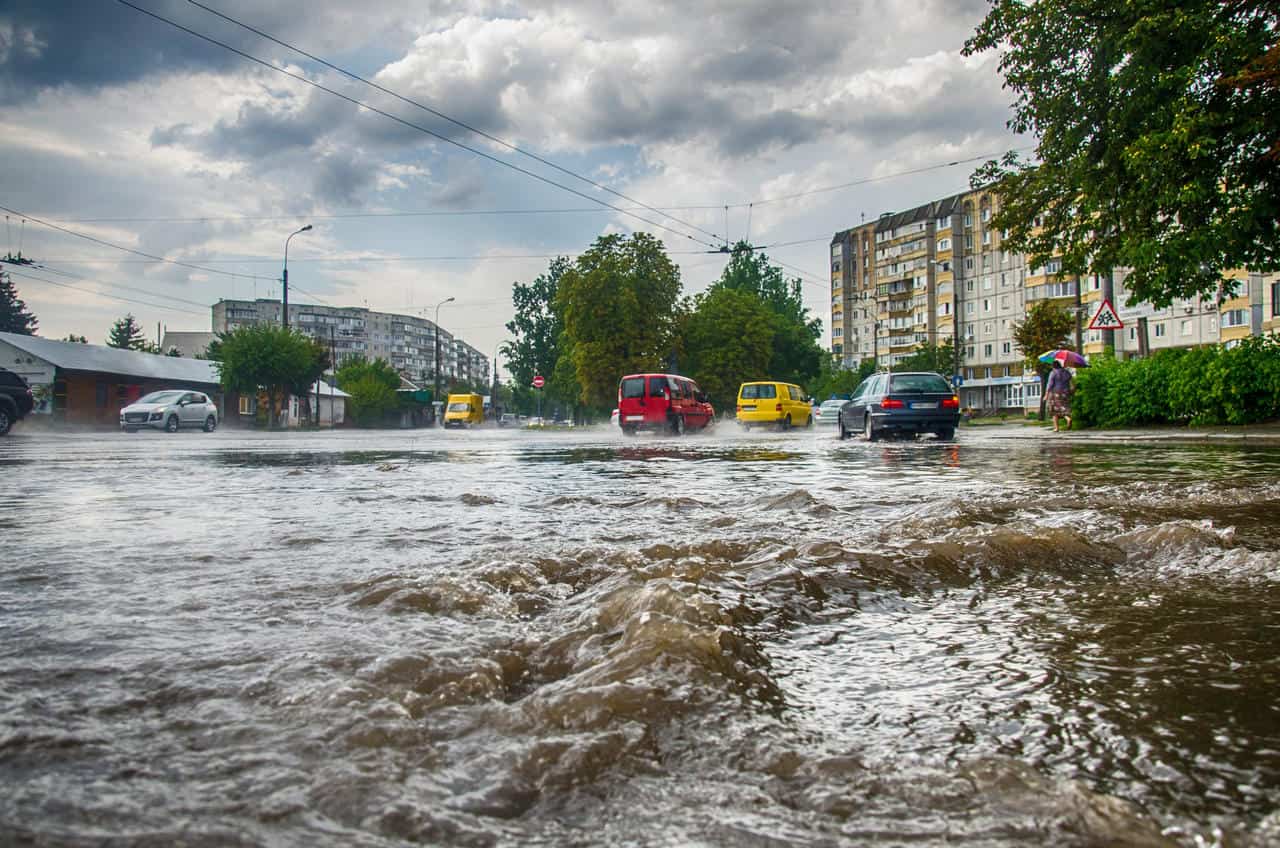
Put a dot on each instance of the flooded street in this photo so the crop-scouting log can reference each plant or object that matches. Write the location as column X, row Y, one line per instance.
column 516, row 638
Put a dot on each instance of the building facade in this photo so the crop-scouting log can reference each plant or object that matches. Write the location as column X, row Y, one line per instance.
column 412, row 344
column 939, row 272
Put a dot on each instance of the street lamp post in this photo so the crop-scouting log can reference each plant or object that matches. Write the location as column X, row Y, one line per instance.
column 284, row 280
column 436, row 396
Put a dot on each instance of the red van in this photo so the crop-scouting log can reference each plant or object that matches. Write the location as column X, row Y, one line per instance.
column 667, row 403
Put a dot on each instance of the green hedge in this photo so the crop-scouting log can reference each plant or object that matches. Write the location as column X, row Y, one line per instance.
column 1207, row 385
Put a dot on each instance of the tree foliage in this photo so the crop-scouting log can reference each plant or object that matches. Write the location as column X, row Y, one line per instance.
column 618, row 304
column 271, row 358
column 127, row 334
column 373, row 388
column 72, row 337
column 14, row 315
column 835, row 382
column 795, row 356
column 943, row 359
column 1158, row 129
column 538, row 345
column 728, row 339
column 1045, row 328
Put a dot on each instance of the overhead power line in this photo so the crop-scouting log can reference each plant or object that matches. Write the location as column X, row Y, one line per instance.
column 448, row 118
column 363, row 105
column 26, row 275
column 105, row 243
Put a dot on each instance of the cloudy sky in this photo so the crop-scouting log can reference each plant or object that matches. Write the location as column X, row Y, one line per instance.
column 698, row 121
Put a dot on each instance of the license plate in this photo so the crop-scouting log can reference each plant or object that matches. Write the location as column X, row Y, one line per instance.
column 635, row 418
column 925, row 405
column 749, row 407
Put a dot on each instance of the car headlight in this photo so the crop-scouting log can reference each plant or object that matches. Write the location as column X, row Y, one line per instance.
column 156, row 416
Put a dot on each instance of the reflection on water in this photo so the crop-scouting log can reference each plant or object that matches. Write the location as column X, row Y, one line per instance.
column 503, row 637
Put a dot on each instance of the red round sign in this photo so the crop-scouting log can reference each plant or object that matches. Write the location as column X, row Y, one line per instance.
column 538, row 382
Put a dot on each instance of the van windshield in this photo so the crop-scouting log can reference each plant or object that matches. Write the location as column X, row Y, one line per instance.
column 460, row 406
column 759, row 391
column 633, row 387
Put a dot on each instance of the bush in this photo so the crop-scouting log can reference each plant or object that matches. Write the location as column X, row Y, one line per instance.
column 1200, row 386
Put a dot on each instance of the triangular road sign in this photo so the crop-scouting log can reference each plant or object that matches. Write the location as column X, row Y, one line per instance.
column 1106, row 318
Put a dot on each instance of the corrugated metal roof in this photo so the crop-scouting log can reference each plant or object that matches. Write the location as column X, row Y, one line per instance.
column 322, row 389
column 73, row 356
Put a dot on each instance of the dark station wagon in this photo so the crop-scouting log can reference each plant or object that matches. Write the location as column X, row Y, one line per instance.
column 906, row 403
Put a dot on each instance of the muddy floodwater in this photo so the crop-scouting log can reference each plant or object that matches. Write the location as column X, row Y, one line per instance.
column 516, row 638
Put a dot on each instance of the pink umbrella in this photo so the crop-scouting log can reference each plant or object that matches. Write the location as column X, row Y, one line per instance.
column 1069, row 358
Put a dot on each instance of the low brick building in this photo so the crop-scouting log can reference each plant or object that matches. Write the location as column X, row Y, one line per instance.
column 87, row 385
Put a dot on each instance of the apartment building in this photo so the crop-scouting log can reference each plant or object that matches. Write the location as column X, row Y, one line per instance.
column 408, row 342
column 935, row 274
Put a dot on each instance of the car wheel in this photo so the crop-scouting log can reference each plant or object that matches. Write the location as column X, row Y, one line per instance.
column 808, row 422
column 677, row 425
column 210, row 424
column 869, row 430
column 628, row 431
column 171, row 425
column 946, row 433
column 5, row 421
column 785, row 424
column 844, row 433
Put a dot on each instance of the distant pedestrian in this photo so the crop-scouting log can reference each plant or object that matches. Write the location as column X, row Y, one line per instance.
column 1058, row 394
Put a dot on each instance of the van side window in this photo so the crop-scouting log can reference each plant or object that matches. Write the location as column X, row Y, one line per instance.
column 795, row 392
column 657, row 386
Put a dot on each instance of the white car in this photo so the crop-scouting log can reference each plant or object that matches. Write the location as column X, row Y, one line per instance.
column 170, row 410
column 828, row 413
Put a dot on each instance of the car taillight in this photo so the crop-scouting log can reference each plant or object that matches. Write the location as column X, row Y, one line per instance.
column 739, row 407
column 951, row 403
column 778, row 408
column 891, row 403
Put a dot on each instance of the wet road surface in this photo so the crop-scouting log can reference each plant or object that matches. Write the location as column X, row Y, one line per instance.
column 511, row 638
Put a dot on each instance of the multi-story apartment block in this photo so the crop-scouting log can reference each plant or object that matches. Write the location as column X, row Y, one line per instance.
column 408, row 342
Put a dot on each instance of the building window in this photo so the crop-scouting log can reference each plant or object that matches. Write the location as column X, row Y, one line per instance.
column 986, row 350
column 1275, row 300
column 1133, row 334
column 944, row 244
column 1007, row 347
column 968, row 263
column 1233, row 318
column 986, row 214
column 1008, row 370
column 986, row 237
column 986, row 284
column 1186, row 328
column 1160, row 330
column 986, row 304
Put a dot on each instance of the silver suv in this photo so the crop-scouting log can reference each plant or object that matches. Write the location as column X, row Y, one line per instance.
column 169, row 410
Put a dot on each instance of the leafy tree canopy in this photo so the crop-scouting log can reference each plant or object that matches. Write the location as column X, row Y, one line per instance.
column 618, row 303
column 269, row 357
column 930, row 357
column 796, row 356
column 538, row 344
column 1158, row 129
column 372, row 386
column 833, row 381
column 14, row 315
column 728, row 340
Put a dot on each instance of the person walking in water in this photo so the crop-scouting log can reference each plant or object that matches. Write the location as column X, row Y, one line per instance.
column 1058, row 395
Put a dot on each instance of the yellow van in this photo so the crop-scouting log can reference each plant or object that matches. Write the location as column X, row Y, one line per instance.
column 770, row 404
column 464, row 411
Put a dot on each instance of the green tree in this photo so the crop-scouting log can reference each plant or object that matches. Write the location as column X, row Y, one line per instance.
column 930, row 357
column 127, row 334
column 796, row 355
column 14, row 315
column 373, row 388
column 1158, row 140
column 728, row 340
column 833, row 381
column 72, row 337
column 1045, row 328
column 270, row 358
column 618, row 305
